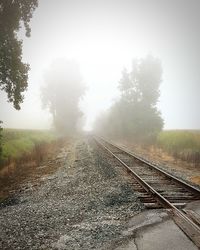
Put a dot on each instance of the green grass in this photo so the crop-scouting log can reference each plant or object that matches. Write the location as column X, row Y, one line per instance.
column 17, row 142
column 184, row 144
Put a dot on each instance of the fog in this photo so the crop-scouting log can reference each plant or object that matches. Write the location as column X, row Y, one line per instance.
column 103, row 37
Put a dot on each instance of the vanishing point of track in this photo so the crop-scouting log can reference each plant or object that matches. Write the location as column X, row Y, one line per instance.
column 159, row 189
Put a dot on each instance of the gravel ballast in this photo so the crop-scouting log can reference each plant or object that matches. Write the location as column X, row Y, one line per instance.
column 85, row 204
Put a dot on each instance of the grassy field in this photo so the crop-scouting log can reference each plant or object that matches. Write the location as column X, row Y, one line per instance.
column 19, row 142
column 183, row 144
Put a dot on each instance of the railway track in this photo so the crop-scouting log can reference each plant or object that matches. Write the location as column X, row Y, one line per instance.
column 159, row 189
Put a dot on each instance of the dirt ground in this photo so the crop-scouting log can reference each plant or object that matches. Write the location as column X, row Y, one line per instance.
column 73, row 200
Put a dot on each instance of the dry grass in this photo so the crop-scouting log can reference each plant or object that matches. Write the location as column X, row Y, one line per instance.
column 20, row 145
column 30, row 170
column 181, row 144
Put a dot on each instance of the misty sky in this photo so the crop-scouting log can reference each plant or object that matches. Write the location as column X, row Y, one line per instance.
column 104, row 36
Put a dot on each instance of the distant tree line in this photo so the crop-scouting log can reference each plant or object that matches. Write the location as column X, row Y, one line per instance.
column 135, row 116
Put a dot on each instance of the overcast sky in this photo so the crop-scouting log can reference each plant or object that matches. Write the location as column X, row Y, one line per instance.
column 104, row 36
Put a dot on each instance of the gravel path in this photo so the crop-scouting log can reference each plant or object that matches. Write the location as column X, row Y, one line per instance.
column 85, row 204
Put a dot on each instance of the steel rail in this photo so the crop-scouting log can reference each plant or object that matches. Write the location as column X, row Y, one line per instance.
column 181, row 182
column 187, row 225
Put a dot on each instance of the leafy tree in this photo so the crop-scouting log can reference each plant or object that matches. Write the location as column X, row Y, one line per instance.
column 13, row 72
column 135, row 114
column 141, row 85
column 140, row 93
column 61, row 95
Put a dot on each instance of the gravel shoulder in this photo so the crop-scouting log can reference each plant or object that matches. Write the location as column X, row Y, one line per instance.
column 84, row 204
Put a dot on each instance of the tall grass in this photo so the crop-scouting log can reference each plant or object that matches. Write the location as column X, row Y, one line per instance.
column 17, row 143
column 182, row 144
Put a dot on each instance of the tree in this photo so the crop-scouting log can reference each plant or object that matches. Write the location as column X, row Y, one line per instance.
column 61, row 95
column 135, row 114
column 140, row 93
column 13, row 72
column 0, row 140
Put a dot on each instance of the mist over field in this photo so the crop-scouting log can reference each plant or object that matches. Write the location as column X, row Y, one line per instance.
column 103, row 37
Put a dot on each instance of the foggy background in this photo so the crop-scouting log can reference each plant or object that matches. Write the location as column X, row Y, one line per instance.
column 103, row 37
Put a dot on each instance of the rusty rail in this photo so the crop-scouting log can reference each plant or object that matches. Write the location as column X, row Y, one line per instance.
column 189, row 225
